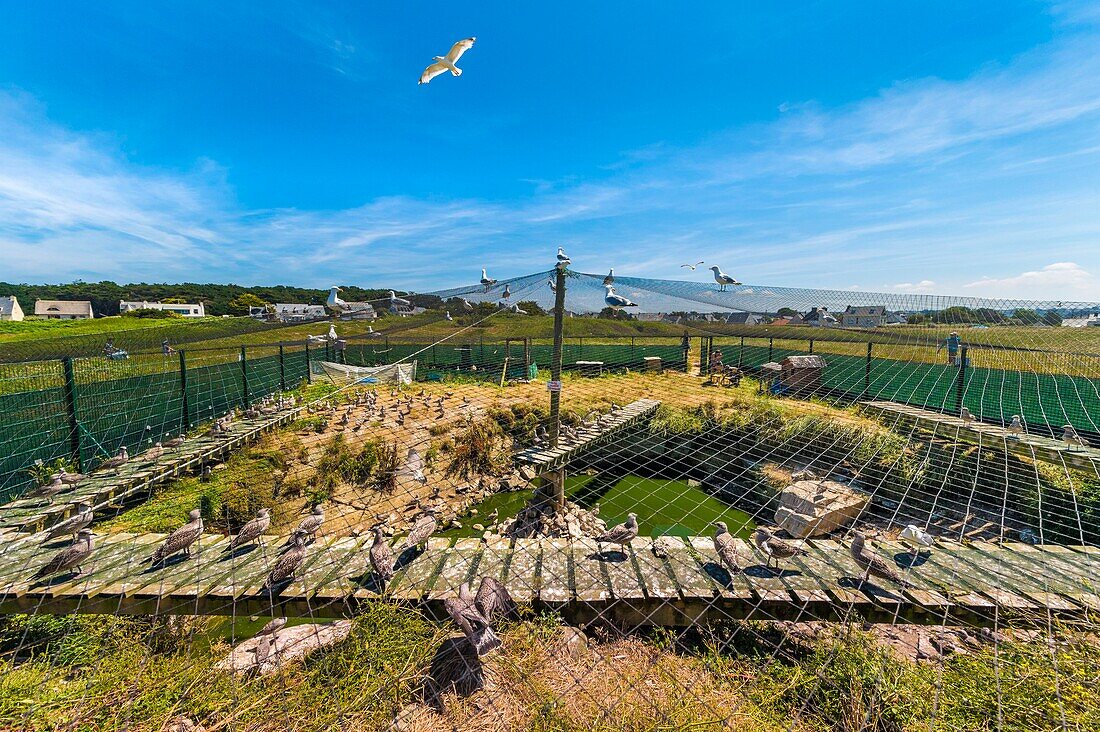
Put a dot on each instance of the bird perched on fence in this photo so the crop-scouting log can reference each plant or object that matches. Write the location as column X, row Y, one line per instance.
column 288, row 563
column 726, row 547
column 381, row 558
column 486, row 280
column 447, row 63
column 774, row 547
column 48, row 490
column 474, row 614
column 1071, row 438
column 872, row 564
column 965, row 415
column 610, row 278
column 71, row 557
column 423, row 528
column 1016, row 426
column 181, row 539
column 73, row 525
column 622, row 534
column 617, row 302
column 507, row 293
column 117, row 461
column 309, row 526
column 71, row 478
column 916, row 537
column 722, row 278
column 252, row 530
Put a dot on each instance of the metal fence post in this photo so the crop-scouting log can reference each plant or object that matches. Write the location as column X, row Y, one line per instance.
column 811, row 346
column 70, row 408
column 960, row 383
column 309, row 369
column 282, row 370
column 867, row 370
column 741, row 353
column 770, row 349
column 185, row 411
column 244, row 376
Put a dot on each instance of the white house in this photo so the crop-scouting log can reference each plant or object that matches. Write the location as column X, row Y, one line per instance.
column 63, row 309
column 186, row 309
column 1088, row 320
column 863, row 316
column 9, row 308
column 289, row 311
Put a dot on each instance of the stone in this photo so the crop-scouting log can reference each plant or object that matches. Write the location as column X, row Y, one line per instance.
column 809, row 508
column 289, row 643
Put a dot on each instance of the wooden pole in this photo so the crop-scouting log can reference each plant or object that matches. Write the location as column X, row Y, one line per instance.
column 558, row 477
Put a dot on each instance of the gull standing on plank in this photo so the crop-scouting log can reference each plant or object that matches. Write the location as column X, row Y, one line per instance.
column 872, row 564
column 288, row 563
column 1071, row 438
column 70, row 478
column 447, row 63
column 610, row 278
column 486, row 280
column 308, row 526
column 118, row 460
column 48, row 490
column 622, row 534
column 252, row 530
column 691, row 266
column 1016, row 427
column 726, row 547
column 68, row 558
column 722, row 278
column 82, row 519
column 424, row 527
column 381, row 558
column 617, row 302
column 181, row 539
column 774, row 547
column 916, row 537
column 965, row 415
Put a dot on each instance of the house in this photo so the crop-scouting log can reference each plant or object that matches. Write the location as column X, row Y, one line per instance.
column 1089, row 319
column 9, row 308
column 63, row 309
column 818, row 318
column 863, row 316
column 650, row 317
column 781, row 321
column 897, row 318
column 185, row 309
column 744, row 319
column 292, row 311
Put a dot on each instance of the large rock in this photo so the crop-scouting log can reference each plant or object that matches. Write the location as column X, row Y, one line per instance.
column 810, row 508
column 287, row 644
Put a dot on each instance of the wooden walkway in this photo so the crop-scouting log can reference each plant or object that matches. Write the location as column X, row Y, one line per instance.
column 989, row 435
column 547, row 458
column 975, row 583
column 138, row 476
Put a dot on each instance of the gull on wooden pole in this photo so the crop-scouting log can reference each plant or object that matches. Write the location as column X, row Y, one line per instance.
column 558, row 477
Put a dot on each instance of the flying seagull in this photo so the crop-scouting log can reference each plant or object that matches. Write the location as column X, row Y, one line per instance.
column 722, row 278
column 692, row 266
column 617, row 302
column 447, row 63
column 610, row 278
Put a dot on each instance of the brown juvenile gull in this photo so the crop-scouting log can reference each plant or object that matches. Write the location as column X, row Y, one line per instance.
column 726, row 547
column 82, row 519
column 68, row 558
column 474, row 613
column 424, row 527
column 48, row 490
column 774, row 547
column 175, row 441
column 872, row 564
column 273, row 626
column 71, row 478
column 252, row 530
column 308, row 526
column 181, row 539
column 118, row 460
column 381, row 558
column 154, row 453
column 621, row 534
column 288, row 563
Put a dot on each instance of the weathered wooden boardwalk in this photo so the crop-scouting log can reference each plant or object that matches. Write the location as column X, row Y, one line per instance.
column 975, row 583
column 139, row 475
column 985, row 434
column 552, row 458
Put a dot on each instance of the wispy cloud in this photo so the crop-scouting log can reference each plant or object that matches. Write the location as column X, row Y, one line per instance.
column 1068, row 279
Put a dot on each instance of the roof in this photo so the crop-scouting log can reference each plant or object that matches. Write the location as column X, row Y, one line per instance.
column 803, row 362
column 63, row 307
column 744, row 318
column 7, row 304
column 780, row 321
column 865, row 310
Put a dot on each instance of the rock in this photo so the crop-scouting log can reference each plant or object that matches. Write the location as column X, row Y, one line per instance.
column 478, row 527
column 287, row 644
column 183, row 724
column 569, row 642
column 816, row 507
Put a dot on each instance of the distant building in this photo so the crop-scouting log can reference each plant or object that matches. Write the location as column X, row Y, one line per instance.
column 1090, row 319
column 863, row 316
column 781, row 321
column 186, row 309
column 818, row 318
column 9, row 308
column 292, row 311
column 744, row 319
column 63, row 309
column 650, row 317
column 897, row 318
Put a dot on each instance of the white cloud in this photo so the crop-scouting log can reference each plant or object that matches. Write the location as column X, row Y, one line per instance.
column 924, row 287
column 1064, row 281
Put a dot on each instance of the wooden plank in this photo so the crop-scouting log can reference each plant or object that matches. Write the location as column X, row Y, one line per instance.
column 523, row 570
column 494, row 559
column 589, row 577
column 875, row 593
column 658, row 582
column 1014, row 571
column 623, row 576
column 555, row 584
column 156, row 582
column 1062, row 575
column 736, row 587
column 117, row 550
column 692, row 582
column 356, row 575
column 417, row 579
column 963, row 574
column 458, row 567
column 815, row 565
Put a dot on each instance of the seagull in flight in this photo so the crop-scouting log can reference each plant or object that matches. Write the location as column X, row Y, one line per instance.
column 447, row 63
column 692, row 266
column 617, row 302
column 722, row 278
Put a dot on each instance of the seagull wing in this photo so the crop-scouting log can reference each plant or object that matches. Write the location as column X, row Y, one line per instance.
column 459, row 48
column 493, row 599
column 431, row 72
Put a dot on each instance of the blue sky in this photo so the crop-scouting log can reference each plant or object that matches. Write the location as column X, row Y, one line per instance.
column 937, row 147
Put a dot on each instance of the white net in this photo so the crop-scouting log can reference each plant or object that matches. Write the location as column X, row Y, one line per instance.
column 343, row 374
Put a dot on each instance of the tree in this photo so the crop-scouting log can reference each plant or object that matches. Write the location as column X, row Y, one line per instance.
column 1026, row 316
column 173, row 300
column 241, row 304
column 1052, row 317
column 918, row 319
column 786, row 312
column 610, row 313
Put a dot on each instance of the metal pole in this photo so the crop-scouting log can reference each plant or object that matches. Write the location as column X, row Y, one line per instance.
column 282, row 370
column 244, row 377
column 867, row 370
column 811, row 346
column 185, row 411
column 960, row 384
column 770, row 340
column 309, row 369
column 70, row 407
column 741, row 353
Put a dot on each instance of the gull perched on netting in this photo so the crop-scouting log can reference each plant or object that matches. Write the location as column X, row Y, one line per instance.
column 381, row 558
column 252, row 530
column 726, row 547
column 872, row 564
column 965, row 415
column 73, row 525
column 486, row 280
column 774, row 547
column 447, row 63
column 181, row 539
column 610, row 278
column 70, row 557
column 507, row 291
column 692, row 266
column 617, row 302
column 916, row 537
column 553, row 287
column 722, row 278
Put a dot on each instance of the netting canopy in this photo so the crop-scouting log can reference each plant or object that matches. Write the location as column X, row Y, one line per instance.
column 676, row 505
